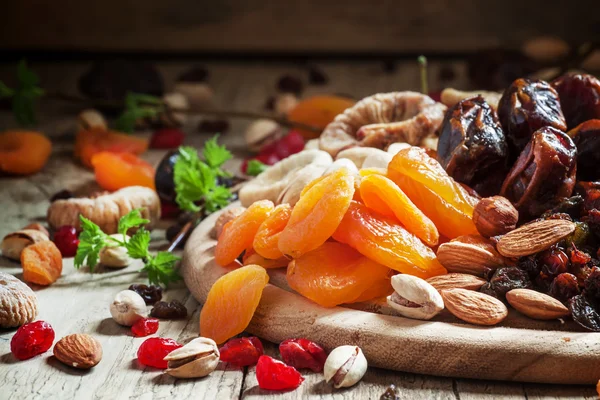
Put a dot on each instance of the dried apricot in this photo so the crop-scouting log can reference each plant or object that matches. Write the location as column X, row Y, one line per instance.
column 317, row 214
column 267, row 237
column 266, row 263
column 333, row 274
column 92, row 141
column 23, row 152
column 115, row 171
column 42, row 263
column 435, row 193
column 318, row 111
column 381, row 288
column 231, row 302
column 385, row 197
column 386, row 242
column 238, row 234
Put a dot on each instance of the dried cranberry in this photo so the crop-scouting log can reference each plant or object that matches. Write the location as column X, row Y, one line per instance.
column 213, row 126
column 290, row 84
column 294, row 141
column 62, row 195
column 168, row 210
column 150, row 293
column 242, row 352
column 32, row 339
column 65, row 238
column 272, row 374
column 153, row 351
column 172, row 310
column 144, row 327
column 167, row 138
column 564, row 286
column 302, row 353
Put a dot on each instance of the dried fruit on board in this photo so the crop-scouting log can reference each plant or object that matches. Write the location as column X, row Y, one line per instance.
column 18, row 303
column 383, row 119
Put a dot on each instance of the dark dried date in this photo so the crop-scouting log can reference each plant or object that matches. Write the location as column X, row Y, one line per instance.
column 171, row 310
column 587, row 139
column 526, row 106
column 472, row 145
column 150, row 293
column 544, row 174
column 579, row 97
column 584, row 313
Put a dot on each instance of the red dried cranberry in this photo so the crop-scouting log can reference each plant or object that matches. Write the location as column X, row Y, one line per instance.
column 153, row 351
column 65, row 238
column 272, row 374
column 294, row 141
column 167, row 138
column 302, row 353
column 144, row 327
column 32, row 339
column 168, row 210
column 242, row 352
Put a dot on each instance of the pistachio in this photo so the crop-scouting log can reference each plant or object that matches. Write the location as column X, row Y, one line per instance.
column 345, row 366
column 91, row 119
column 262, row 132
column 127, row 308
column 115, row 256
column 196, row 359
column 177, row 101
column 14, row 243
column 414, row 298
column 284, row 103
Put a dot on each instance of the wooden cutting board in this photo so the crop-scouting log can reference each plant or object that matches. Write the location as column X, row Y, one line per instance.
column 520, row 349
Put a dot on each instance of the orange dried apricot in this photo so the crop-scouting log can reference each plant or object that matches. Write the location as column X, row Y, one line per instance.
column 257, row 259
column 115, row 171
column 231, row 302
column 92, row 141
column 267, row 237
column 333, row 274
column 23, row 152
column 317, row 214
column 318, row 111
column 381, row 288
column 386, row 242
column 42, row 263
column 238, row 234
column 385, row 197
column 435, row 193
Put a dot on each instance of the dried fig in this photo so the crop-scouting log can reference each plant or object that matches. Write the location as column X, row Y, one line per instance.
column 579, row 97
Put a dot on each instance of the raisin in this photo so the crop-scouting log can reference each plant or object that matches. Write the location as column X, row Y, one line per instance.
column 242, row 352
column 530, row 265
column 153, row 351
column 172, row 310
column 592, row 285
column 144, row 327
column 564, row 286
column 272, row 374
column 32, row 339
column 506, row 279
column 316, row 76
column 150, row 293
column 584, row 313
column 303, row 353
column 554, row 262
column 579, row 257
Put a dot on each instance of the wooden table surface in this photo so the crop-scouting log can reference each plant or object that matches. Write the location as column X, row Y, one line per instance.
column 78, row 302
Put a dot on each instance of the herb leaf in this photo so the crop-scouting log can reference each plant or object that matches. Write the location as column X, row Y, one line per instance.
column 138, row 106
column 160, row 268
column 255, row 167
column 132, row 220
column 137, row 245
column 214, row 154
column 91, row 241
column 23, row 97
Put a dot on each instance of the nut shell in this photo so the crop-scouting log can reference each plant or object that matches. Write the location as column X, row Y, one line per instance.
column 495, row 216
column 18, row 303
column 14, row 243
column 79, row 350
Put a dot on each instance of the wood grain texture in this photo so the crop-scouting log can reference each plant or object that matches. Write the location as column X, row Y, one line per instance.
column 322, row 26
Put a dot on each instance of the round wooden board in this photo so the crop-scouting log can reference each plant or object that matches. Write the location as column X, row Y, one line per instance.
column 520, row 350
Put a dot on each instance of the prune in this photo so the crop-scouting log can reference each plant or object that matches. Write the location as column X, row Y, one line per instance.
column 472, row 145
column 543, row 175
column 506, row 279
column 592, row 285
column 579, row 97
column 553, row 262
column 150, row 293
column 584, row 313
column 530, row 265
column 171, row 310
column 163, row 179
column 525, row 107
column 587, row 139
column 564, row 286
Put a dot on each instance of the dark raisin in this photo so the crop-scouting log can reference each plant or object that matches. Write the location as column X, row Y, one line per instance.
column 391, row 393
column 579, row 97
column 593, row 221
column 592, row 285
column 564, row 286
column 64, row 194
column 570, row 206
column 553, row 262
column 150, row 293
column 213, row 126
column 506, row 279
column 584, row 313
column 590, row 191
column 316, row 76
column 530, row 265
column 171, row 310
column 290, row 84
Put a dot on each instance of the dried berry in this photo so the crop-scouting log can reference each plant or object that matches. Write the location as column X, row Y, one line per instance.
column 272, row 374
column 587, row 139
column 150, row 293
column 144, row 327
column 578, row 257
column 213, row 126
column 590, row 191
column 67, row 241
column 303, row 353
column 64, row 194
column 564, row 286
column 530, row 265
column 472, row 145
column 570, row 206
column 584, row 313
column 592, row 285
column 290, row 84
column 32, row 339
column 543, row 175
column 553, row 262
column 172, row 310
column 579, row 97
column 506, row 279
column 242, row 352
column 153, row 351
column 167, row 138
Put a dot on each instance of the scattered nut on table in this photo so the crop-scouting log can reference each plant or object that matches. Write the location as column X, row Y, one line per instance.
column 79, row 350
column 414, row 298
column 345, row 366
column 115, row 256
column 127, row 307
column 196, row 359
column 18, row 303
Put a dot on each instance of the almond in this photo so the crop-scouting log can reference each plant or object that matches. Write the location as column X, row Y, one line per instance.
column 474, row 307
column 534, row 237
column 456, row 281
column 79, row 351
column 536, row 305
column 470, row 254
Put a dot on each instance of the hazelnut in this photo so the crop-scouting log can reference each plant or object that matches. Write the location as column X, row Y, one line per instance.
column 495, row 216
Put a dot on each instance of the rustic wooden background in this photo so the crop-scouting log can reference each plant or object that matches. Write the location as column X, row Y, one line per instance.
column 308, row 26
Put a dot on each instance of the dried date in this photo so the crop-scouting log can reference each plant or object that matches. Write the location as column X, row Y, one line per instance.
column 584, row 313
column 171, row 310
column 587, row 139
column 579, row 97
column 472, row 145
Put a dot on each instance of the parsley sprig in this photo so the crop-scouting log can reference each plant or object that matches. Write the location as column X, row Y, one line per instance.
column 138, row 106
column 24, row 95
column 256, row 167
column 196, row 180
column 92, row 239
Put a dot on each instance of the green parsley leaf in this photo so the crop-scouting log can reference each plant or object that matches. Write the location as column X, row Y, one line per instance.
column 25, row 95
column 255, row 168
column 138, row 106
column 5, row 91
column 91, row 241
column 160, row 268
column 192, row 179
column 137, row 245
column 217, row 198
column 214, row 154
column 132, row 220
